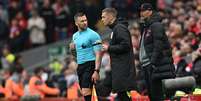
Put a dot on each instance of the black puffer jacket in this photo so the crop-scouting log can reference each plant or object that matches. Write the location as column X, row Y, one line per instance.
column 158, row 47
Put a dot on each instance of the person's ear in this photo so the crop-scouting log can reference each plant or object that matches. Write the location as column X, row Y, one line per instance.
column 76, row 23
column 111, row 17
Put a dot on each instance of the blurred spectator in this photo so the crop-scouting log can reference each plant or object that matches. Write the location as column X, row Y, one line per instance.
column 18, row 62
column 68, row 75
column 62, row 18
column 180, row 63
column 192, row 26
column 3, row 14
column 23, row 24
column 5, row 75
column 38, row 87
column 36, row 26
column 71, row 78
column 29, row 6
column 175, row 30
column 134, row 29
column 15, row 36
column 22, row 21
column 48, row 14
column 186, row 45
column 4, row 30
column 69, row 70
column 14, row 31
column 14, row 85
column 56, row 66
column 7, row 58
column 13, row 9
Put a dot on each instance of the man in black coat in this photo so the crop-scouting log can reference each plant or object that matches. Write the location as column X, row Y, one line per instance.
column 155, row 52
column 121, row 54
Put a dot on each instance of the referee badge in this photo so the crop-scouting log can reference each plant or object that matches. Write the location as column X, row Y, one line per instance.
column 111, row 35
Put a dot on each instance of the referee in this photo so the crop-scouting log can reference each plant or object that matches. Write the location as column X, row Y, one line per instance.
column 86, row 42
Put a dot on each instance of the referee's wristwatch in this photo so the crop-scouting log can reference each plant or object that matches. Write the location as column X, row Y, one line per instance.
column 97, row 70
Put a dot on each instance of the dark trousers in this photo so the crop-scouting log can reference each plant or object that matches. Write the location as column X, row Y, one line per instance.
column 105, row 88
column 122, row 96
column 154, row 87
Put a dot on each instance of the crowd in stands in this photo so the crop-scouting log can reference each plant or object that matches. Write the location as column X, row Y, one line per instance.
column 30, row 23
column 25, row 24
column 51, row 81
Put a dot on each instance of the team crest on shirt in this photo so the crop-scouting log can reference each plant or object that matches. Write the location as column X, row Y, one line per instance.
column 111, row 35
column 148, row 33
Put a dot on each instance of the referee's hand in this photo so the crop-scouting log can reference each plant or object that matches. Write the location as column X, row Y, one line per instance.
column 95, row 77
column 72, row 46
column 105, row 47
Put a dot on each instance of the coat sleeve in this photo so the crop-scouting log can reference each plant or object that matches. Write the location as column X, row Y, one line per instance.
column 8, row 87
column 47, row 90
column 18, row 89
column 157, row 31
column 123, row 37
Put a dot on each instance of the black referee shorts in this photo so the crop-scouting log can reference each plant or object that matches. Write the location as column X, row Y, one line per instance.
column 85, row 71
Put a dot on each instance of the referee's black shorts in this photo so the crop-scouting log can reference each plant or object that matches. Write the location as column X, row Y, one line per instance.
column 85, row 71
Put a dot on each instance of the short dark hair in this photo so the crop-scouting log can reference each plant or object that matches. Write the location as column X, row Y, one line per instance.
column 38, row 69
column 79, row 14
column 17, row 70
column 112, row 11
column 146, row 6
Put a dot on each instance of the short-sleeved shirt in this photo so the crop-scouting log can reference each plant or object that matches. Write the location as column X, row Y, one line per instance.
column 86, row 45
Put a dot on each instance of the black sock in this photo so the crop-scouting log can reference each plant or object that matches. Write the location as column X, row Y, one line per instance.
column 122, row 96
column 87, row 98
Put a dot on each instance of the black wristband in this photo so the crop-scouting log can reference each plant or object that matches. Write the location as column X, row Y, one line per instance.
column 97, row 70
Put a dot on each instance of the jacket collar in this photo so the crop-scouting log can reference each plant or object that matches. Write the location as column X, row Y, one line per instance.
column 155, row 17
column 113, row 24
